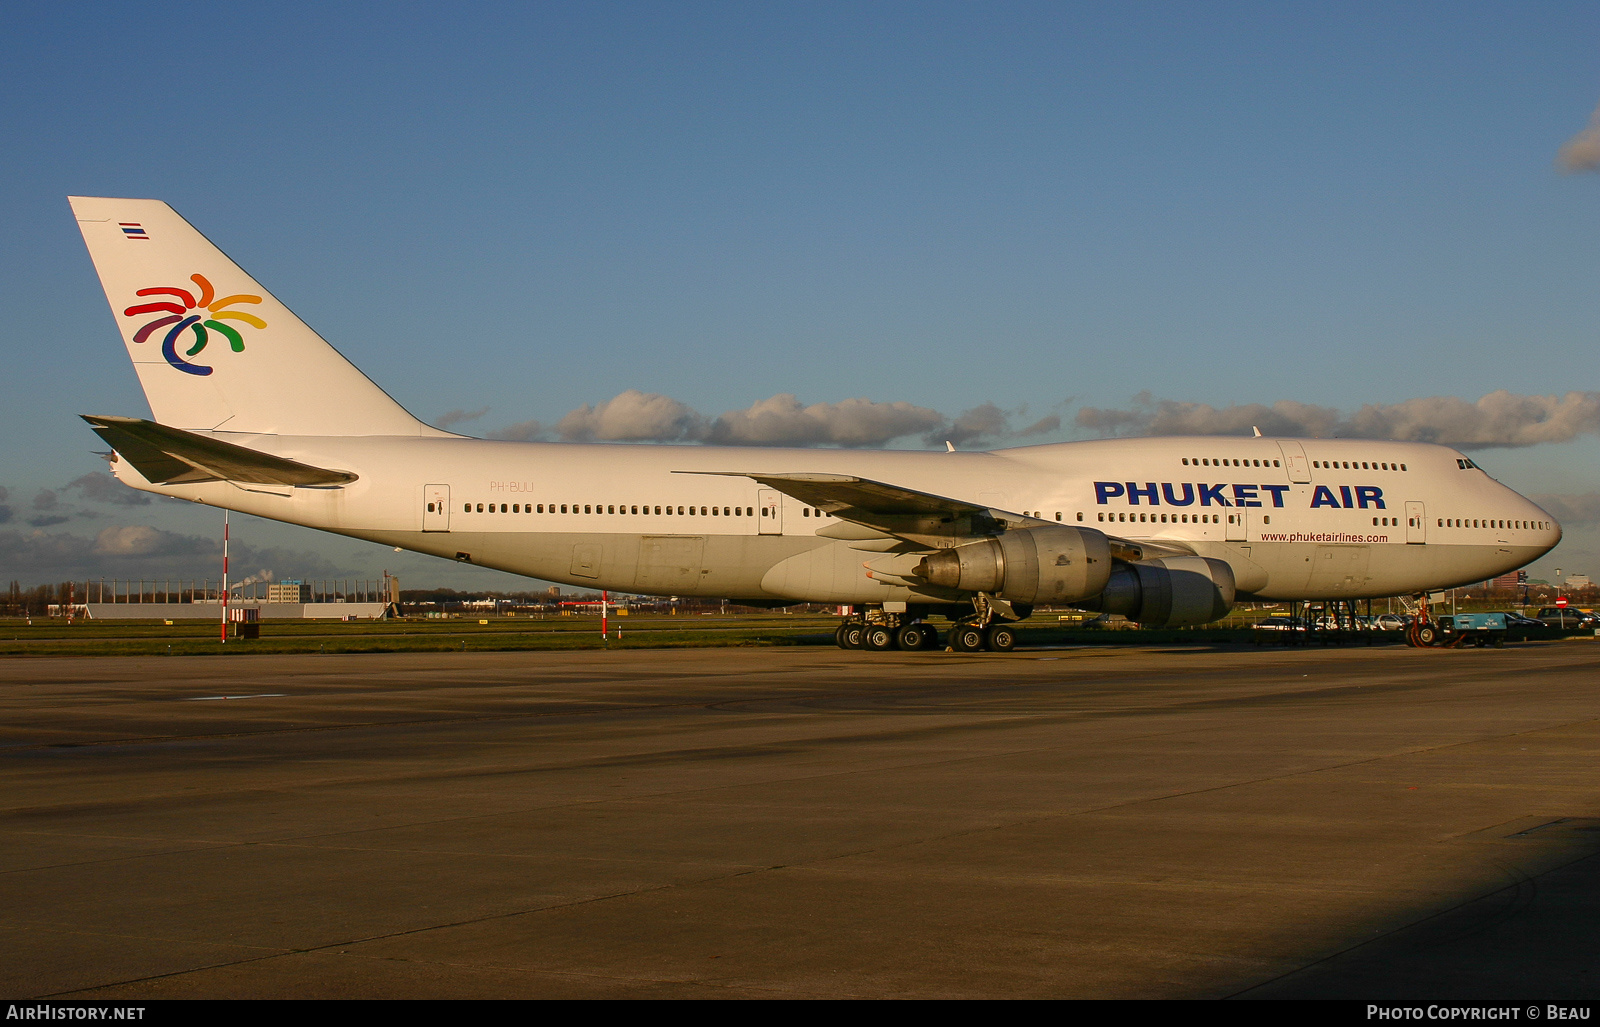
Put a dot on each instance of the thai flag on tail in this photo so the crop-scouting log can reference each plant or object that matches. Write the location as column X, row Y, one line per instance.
column 133, row 230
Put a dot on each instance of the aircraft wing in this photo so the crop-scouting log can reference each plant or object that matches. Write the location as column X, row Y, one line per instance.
column 884, row 509
column 167, row 456
column 836, row 493
column 893, row 510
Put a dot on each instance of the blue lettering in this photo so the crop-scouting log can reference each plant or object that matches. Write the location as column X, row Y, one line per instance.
column 1344, row 490
column 1172, row 500
column 1106, row 490
column 1323, row 497
column 1134, row 492
column 1212, row 494
column 1369, row 494
column 1245, row 495
column 1277, row 493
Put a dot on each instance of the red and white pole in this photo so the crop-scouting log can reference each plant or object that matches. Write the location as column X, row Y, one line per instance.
column 604, row 596
column 224, row 577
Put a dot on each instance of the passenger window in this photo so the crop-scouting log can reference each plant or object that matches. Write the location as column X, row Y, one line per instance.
column 467, row 508
column 480, row 508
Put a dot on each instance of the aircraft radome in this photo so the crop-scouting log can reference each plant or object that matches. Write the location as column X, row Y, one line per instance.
column 253, row 411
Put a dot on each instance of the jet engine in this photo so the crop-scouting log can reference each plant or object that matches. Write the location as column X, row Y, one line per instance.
column 1169, row 592
column 1046, row 564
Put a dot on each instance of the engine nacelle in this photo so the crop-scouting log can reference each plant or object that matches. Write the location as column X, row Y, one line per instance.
column 1047, row 564
column 1170, row 592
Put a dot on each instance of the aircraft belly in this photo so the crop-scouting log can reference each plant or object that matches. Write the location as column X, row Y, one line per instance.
column 1304, row 570
column 714, row 566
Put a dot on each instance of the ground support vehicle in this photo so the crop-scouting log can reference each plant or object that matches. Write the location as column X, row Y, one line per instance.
column 1479, row 629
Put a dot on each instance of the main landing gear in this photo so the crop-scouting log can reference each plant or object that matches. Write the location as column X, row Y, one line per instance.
column 877, row 631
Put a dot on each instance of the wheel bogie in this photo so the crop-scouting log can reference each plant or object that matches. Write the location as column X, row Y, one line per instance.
column 877, row 638
column 966, row 638
column 911, row 638
column 1000, row 638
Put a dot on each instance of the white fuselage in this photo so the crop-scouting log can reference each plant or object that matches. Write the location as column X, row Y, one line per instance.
column 1296, row 519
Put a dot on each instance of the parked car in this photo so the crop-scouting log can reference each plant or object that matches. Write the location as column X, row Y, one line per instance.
column 1391, row 622
column 1280, row 623
column 1345, row 624
column 1520, row 628
column 1567, row 619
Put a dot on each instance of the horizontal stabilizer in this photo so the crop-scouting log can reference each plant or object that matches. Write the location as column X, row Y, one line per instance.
column 172, row 456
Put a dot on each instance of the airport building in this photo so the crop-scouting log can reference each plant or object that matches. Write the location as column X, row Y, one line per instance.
column 283, row 599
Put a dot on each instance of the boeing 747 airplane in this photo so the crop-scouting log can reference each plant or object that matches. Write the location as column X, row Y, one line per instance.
column 255, row 412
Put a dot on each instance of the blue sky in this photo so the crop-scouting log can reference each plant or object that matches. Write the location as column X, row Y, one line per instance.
column 1044, row 207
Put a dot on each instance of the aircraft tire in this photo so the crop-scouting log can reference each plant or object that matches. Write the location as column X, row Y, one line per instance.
column 876, row 638
column 848, row 636
column 910, row 638
column 1427, row 635
column 966, row 638
column 1000, row 638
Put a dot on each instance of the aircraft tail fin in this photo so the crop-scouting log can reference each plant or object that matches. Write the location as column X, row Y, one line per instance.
column 214, row 350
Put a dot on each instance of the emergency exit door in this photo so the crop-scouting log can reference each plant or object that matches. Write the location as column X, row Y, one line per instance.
column 1238, row 527
column 1416, row 524
column 435, row 508
column 771, row 520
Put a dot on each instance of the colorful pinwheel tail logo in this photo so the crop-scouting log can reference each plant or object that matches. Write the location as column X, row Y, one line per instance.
column 188, row 318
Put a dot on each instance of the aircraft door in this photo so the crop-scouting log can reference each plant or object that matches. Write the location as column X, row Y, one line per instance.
column 1416, row 524
column 1238, row 527
column 771, row 520
column 435, row 508
column 1294, row 458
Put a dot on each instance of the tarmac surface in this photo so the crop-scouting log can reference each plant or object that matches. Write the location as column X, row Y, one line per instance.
column 804, row 822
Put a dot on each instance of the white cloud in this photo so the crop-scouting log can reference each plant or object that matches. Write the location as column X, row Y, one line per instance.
column 1571, row 509
column 458, row 416
column 522, row 431
column 99, row 487
column 783, row 421
column 632, row 416
column 1500, row 419
column 1582, row 151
